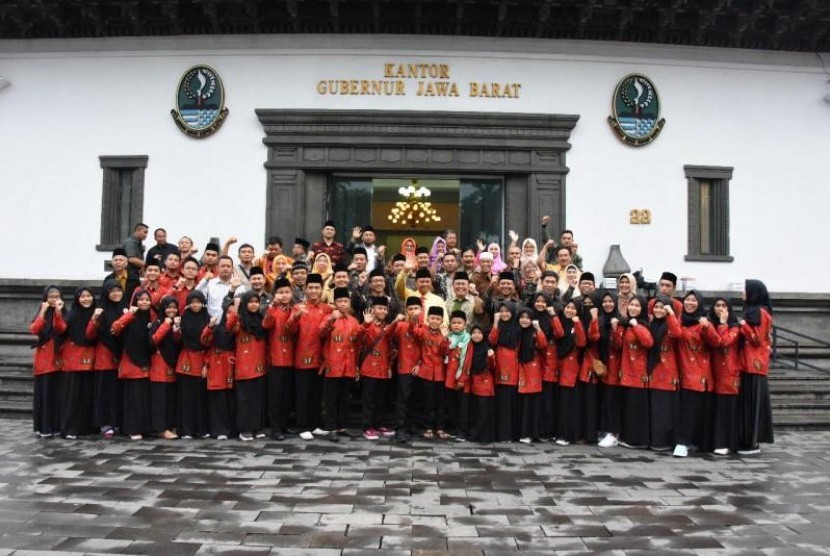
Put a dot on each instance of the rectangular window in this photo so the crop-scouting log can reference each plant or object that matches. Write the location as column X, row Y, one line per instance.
column 708, row 190
column 122, row 199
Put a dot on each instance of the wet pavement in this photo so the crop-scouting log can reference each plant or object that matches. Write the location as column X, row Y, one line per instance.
column 360, row 497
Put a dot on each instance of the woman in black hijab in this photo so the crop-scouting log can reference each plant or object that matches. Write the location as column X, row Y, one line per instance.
column 163, row 392
column 191, row 372
column 754, row 403
column 543, row 311
column 482, row 389
column 589, row 383
column 569, row 352
column 48, row 325
column 664, row 378
column 106, row 389
column 609, row 414
column 726, row 371
column 505, row 339
column 77, row 357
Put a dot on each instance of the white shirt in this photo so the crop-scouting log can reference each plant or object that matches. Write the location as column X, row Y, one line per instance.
column 215, row 291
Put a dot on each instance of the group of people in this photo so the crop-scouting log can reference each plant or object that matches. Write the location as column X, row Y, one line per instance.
column 455, row 342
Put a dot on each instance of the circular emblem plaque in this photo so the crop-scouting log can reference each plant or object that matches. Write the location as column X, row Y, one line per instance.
column 635, row 110
column 200, row 102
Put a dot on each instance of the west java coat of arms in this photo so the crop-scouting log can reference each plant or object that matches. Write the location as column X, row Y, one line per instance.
column 200, row 102
column 635, row 110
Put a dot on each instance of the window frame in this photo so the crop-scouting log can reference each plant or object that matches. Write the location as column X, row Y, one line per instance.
column 719, row 178
column 113, row 167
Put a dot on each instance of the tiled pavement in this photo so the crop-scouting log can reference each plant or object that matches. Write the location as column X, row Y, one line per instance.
column 357, row 497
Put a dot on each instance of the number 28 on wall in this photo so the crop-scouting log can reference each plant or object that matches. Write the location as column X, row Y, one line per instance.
column 639, row 216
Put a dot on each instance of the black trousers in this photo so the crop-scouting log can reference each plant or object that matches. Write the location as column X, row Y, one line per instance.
column 76, row 418
column 106, row 399
column 696, row 419
column 508, row 413
column 609, row 417
column 482, row 419
column 193, row 411
column 280, row 394
column 307, row 398
column 403, row 403
column 250, row 399
column 457, row 410
column 726, row 421
column 336, row 398
column 136, row 419
column 432, row 408
column 372, row 401
column 589, row 395
column 550, row 403
column 46, row 410
column 635, row 423
column 221, row 410
column 163, row 406
column 531, row 415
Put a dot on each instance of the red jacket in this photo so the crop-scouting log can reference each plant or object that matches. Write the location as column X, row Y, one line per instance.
column 127, row 370
column 181, row 296
column 693, row 353
column 192, row 362
column 343, row 337
column 482, row 384
column 569, row 365
column 666, row 375
column 434, row 348
column 530, row 373
column 507, row 361
column 634, row 341
column 454, row 364
column 308, row 344
column 160, row 371
column 76, row 358
column 220, row 368
column 251, row 352
column 550, row 365
column 409, row 349
column 46, row 359
column 377, row 362
column 756, row 348
column 280, row 340
column 586, row 370
column 726, row 361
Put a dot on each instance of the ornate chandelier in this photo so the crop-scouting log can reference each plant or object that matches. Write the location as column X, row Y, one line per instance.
column 413, row 210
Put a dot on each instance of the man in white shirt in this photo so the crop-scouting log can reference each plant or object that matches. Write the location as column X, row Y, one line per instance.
column 220, row 288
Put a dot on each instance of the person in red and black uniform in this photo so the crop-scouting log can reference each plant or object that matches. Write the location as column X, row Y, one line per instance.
column 634, row 339
column 376, row 366
column 544, row 312
column 106, row 399
column 431, row 370
column 304, row 323
column 191, row 368
column 134, row 367
column 409, row 354
column 666, row 287
column 342, row 333
column 48, row 325
column 220, row 359
column 505, row 338
column 481, row 368
column 755, row 410
column 77, row 360
column 609, row 415
column 569, row 350
column 280, row 376
column 171, row 270
column 166, row 337
column 663, row 376
column 532, row 349
column 726, row 371
column 328, row 245
column 251, row 361
column 210, row 261
column 696, row 384
column 181, row 288
column 456, row 383
column 589, row 383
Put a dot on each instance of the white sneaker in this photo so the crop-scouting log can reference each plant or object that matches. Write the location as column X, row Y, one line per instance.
column 245, row 437
column 259, row 435
column 751, row 452
column 319, row 432
column 187, row 437
column 721, row 451
column 562, row 442
column 222, row 437
column 525, row 440
column 609, row 441
column 305, row 435
column 71, row 437
column 680, row 451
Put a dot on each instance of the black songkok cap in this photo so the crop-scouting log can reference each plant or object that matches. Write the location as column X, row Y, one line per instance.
column 376, row 272
column 328, row 223
column 587, row 277
column 212, row 247
column 340, row 267
column 505, row 275
column 671, row 277
column 461, row 275
column 281, row 283
column 367, row 229
column 299, row 265
column 380, row 300
column 421, row 249
column 423, row 273
column 119, row 251
column 398, row 257
column 412, row 300
column 153, row 262
column 359, row 251
column 459, row 314
column 435, row 310
column 300, row 241
column 314, row 279
column 257, row 270
column 340, row 293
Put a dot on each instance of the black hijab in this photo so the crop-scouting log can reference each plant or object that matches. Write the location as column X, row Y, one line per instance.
column 78, row 319
column 112, row 312
column 169, row 348
column 194, row 323
column 508, row 330
column 48, row 331
column 643, row 316
column 691, row 319
column 604, row 323
column 542, row 316
column 731, row 320
column 757, row 298
column 478, row 364
column 659, row 328
column 248, row 321
column 527, row 338
column 223, row 338
column 567, row 343
column 137, row 343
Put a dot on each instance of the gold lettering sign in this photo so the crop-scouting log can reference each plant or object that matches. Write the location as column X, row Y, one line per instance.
column 420, row 80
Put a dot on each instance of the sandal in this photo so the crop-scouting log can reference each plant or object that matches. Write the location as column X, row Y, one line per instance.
column 443, row 435
column 428, row 434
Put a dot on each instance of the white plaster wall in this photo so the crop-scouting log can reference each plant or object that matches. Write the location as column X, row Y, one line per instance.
column 762, row 113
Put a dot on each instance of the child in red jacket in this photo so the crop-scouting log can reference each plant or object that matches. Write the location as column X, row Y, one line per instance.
column 431, row 370
column 280, row 376
column 77, row 361
column 375, row 366
column 245, row 321
column 220, row 361
column 456, row 383
column 166, row 338
column 532, row 349
column 480, row 366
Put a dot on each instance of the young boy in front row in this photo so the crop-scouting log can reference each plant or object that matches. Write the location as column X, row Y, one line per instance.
column 409, row 355
column 376, row 366
column 456, row 383
column 431, row 370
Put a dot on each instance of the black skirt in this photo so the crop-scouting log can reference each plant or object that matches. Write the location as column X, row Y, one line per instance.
column 163, row 406
column 76, row 414
column 106, row 399
column 136, row 419
column 609, row 412
column 664, row 417
column 696, row 419
column 193, row 412
column 508, row 413
column 755, row 412
column 46, row 405
column 250, row 401
column 531, row 415
column 635, row 426
column 550, row 397
column 569, row 414
column 482, row 419
column 726, row 422
column 221, row 410
column 589, row 395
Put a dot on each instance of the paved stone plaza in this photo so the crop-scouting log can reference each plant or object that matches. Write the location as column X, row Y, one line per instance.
column 357, row 497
